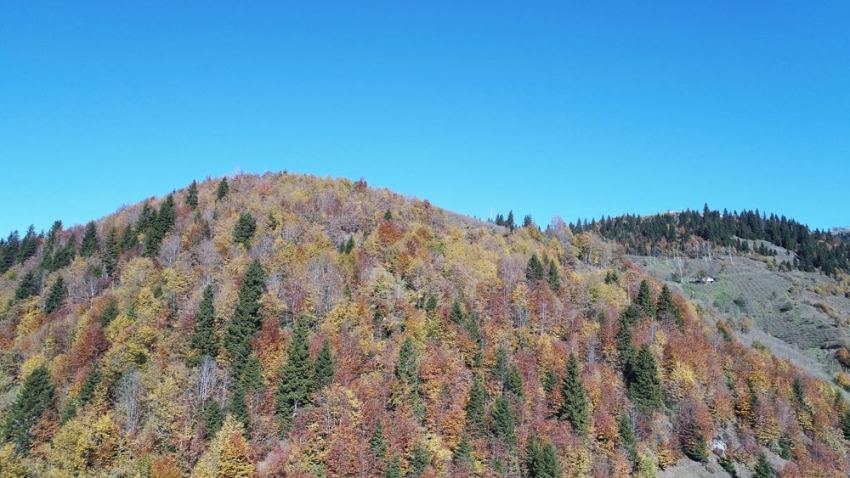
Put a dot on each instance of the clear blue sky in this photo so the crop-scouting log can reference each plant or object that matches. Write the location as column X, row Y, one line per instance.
column 543, row 108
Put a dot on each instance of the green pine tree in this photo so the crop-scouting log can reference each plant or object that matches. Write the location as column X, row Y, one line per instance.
column 513, row 381
column 762, row 469
column 393, row 469
column 550, row 380
column 554, row 278
column 297, row 379
column 213, row 418
column 325, row 365
column 252, row 374
column 29, row 246
column 645, row 386
column 541, row 461
column 56, row 296
column 223, row 189
column 628, row 440
column 406, row 370
column 160, row 226
column 111, row 251
column 462, row 454
column 667, row 308
column 500, row 369
column 418, row 460
column 89, row 246
column 377, row 443
column 574, row 407
column 644, row 299
column 204, row 338
column 129, row 239
column 27, row 287
column 534, row 270
column 238, row 407
column 35, row 398
column 475, row 408
column 503, row 424
column 192, row 195
column 456, row 315
column 246, row 320
column 93, row 379
column 109, row 313
column 244, row 230
column 845, row 424
column 388, row 215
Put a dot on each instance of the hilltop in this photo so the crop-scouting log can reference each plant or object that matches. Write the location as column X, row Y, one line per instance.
column 289, row 325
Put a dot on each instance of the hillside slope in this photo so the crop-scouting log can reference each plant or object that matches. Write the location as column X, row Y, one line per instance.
column 286, row 325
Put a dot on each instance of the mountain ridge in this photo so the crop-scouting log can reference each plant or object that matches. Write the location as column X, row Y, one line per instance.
column 452, row 334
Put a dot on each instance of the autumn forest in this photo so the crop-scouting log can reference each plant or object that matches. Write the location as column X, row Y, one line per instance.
column 297, row 326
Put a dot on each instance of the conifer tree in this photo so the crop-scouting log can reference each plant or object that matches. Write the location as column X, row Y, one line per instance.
column 574, row 406
column 393, row 469
column 252, row 374
column 377, row 443
column 513, row 381
column 27, row 287
column 418, row 460
column 628, row 440
column 35, row 398
column 93, row 379
column 388, row 215
column 63, row 256
column 762, row 469
column 223, row 189
column 645, row 385
column 192, row 195
column 644, row 299
column 238, row 406
column 109, row 313
column 325, row 365
column 666, row 306
column 297, row 379
column 160, row 225
column 213, row 418
column 406, row 368
column 475, row 408
column 246, row 318
column 29, row 245
column 503, row 423
column 204, row 338
column 56, row 296
column 456, row 314
column 509, row 222
column 129, row 240
column 462, row 454
column 146, row 217
column 541, row 461
column 550, row 380
column 89, row 245
column 534, row 270
column 244, row 230
column 10, row 251
column 111, row 252
column 845, row 424
column 554, row 278
column 500, row 369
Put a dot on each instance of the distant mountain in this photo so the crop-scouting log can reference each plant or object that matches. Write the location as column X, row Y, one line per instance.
column 289, row 325
column 687, row 232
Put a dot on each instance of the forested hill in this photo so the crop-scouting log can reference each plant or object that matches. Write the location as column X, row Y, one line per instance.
column 665, row 233
column 288, row 325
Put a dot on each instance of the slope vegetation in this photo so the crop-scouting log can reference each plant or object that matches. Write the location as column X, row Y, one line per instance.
column 286, row 325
